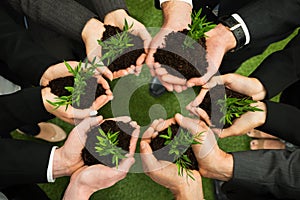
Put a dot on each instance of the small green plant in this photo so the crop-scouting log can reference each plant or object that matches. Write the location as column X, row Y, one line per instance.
column 107, row 145
column 81, row 74
column 115, row 45
column 180, row 143
column 235, row 107
column 197, row 29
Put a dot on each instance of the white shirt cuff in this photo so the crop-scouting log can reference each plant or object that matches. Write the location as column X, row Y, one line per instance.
column 187, row 1
column 244, row 27
column 50, row 166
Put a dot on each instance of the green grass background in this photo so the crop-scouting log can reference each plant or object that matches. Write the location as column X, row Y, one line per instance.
column 143, row 108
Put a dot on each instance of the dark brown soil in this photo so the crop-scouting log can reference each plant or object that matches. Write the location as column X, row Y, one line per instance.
column 92, row 91
column 214, row 94
column 181, row 61
column 91, row 157
column 161, row 151
column 130, row 55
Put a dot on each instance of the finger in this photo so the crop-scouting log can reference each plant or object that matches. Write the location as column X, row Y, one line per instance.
column 131, row 69
column 148, row 135
column 80, row 113
column 193, row 125
column 120, row 73
column 160, row 71
column 203, row 115
column 173, row 80
column 105, row 72
column 216, row 80
column 178, row 88
column 150, row 163
column 125, row 119
column 103, row 82
column 101, row 101
column 141, row 59
column 194, row 82
column 125, row 166
column 163, row 124
column 85, row 125
column 134, row 137
column 198, row 100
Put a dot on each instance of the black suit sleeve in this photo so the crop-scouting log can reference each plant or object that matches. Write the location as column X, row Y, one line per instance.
column 23, row 162
column 24, row 58
column 67, row 17
column 275, row 172
column 22, row 108
column 103, row 7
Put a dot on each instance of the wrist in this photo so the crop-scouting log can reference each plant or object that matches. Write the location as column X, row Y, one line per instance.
column 177, row 15
column 116, row 18
column 61, row 165
column 76, row 190
column 93, row 29
column 190, row 191
column 217, row 165
column 223, row 36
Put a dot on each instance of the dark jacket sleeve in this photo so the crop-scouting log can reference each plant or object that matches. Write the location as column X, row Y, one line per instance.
column 272, row 171
column 281, row 69
column 24, row 58
column 265, row 19
column 23, row 162
column 22, row 108
column 66, row 17
column 282, row 121
column 103, row 7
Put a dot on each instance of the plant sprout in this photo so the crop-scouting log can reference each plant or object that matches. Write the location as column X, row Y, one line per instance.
column 107, row 145
column 235, row 107
column 81, row 75
column 197, row 30
column 178, row 146
column 115, row 45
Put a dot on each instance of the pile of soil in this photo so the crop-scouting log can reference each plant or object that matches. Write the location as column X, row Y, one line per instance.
column 213, row 111
column 180, row 61
column 130, row 55
column 161, row 151
column 89, row 154
column 91, row 92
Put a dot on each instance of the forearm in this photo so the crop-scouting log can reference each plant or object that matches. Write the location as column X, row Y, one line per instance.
column 177, row 15
column 282, row 121
column 66, row 17
column 275, row 171
column 22, row 108
column 280, row 69
column 23, row 162
column 273, row 17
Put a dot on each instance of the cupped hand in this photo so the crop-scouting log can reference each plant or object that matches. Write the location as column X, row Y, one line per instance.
column 117, row 18
column 69, row 155
column 87, row 180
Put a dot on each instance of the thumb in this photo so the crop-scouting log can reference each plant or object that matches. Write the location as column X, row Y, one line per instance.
column 150, row 163
column 125, row 164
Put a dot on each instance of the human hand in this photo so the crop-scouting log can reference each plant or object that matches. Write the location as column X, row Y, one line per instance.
column 244, row 85
column 166, row 173
column 213, row 162
column 177, row 16
column 70, row 114
column 87, row 180
column 67, row 158
column 116, row 18
column 91, row 33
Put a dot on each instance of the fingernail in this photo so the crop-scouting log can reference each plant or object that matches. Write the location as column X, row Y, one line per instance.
column 93, row 113
column 190, row 84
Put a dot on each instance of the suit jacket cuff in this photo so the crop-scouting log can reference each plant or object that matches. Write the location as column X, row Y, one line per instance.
column 106, row 6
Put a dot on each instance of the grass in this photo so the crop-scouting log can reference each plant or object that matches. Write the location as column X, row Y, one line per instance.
column 131, row 97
